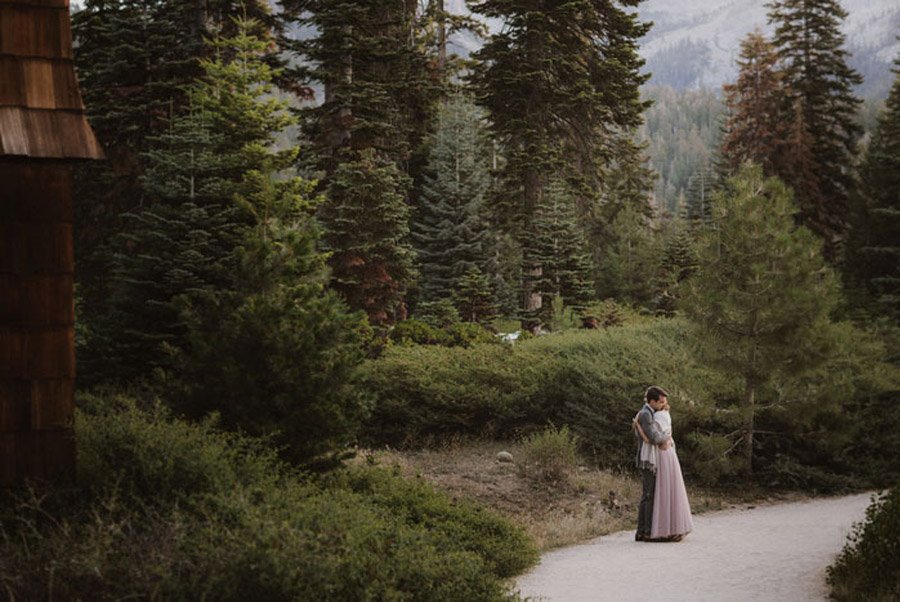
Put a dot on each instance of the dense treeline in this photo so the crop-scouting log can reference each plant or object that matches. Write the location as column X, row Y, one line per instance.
column 682, row 130
column 248, row 278
column 313, row 219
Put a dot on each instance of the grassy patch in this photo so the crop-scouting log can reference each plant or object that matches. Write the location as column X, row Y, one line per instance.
column 589, row 503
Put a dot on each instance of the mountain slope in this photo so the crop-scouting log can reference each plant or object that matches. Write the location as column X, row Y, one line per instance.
column 693, row 43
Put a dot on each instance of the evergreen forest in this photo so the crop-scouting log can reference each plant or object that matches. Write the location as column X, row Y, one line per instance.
column 319, row 231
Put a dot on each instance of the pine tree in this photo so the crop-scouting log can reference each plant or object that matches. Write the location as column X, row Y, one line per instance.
column 474, row 297
column 449, row 227
column 629, row 267
column 366, row 224
column 274, row 355
column 558, row 82
column 679, row 262
column 181, row 245
column 131, row 73
column 378, row 92
column 626, row 193
column 628, row 179
column 699, row 195
column 366, row 136
column 755, row 127
column 874, row 262
column 560, row 248
column 819, row 86
column 135, row 60
column 762, row 293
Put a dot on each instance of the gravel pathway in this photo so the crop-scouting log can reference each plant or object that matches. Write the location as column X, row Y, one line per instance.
column 772, row 553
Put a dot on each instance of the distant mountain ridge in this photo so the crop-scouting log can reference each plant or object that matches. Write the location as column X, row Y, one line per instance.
column 693, row 43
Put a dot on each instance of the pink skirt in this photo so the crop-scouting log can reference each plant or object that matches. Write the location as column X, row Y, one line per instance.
column 671, row 509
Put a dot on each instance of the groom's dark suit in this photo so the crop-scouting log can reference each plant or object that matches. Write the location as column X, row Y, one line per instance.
column 648, row 473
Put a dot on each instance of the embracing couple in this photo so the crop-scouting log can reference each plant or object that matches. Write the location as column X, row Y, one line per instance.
column 664, row 513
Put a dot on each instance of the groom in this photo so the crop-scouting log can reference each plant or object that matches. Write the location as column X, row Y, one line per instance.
column 654, row 399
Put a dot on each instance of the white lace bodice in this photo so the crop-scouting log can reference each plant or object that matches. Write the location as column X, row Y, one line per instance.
column 664, row 421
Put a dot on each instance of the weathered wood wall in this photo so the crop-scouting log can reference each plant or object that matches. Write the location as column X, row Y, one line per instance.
column 42, row 129
column 37, row 319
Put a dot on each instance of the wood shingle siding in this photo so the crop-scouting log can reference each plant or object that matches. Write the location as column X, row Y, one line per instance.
column 28, row 30
column 38, row 84
column 47, row 134
column 42, row 128
column 41, row 113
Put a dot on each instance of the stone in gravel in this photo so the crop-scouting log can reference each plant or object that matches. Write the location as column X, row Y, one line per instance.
column 504, row 457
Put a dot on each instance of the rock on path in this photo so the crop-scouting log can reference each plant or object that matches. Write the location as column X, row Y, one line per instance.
column 770, row 553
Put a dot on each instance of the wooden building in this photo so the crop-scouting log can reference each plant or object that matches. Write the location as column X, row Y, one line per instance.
column 42, row 131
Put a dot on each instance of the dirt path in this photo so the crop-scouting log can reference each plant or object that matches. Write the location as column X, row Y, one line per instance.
column 770, row 553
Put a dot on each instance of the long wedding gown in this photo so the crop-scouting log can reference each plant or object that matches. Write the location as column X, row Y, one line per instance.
column 671, row 509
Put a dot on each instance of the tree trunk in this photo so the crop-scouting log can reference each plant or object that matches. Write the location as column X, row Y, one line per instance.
column 442, row 37
column 531, row 271
column 748, row 411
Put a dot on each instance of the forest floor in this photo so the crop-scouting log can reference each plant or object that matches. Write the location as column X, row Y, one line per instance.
column 585, row 505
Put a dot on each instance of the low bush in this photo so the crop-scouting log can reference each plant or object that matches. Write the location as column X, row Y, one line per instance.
column 869, row 566
column 462, row 524
column 814, row 429
column 279, row 364
column 417, row 332
column 457, row 334
column 551, row 454
column 590, row 380
column 170, row 510
column 438, row 314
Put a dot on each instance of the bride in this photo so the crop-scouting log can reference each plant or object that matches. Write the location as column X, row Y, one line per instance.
column 671, row 509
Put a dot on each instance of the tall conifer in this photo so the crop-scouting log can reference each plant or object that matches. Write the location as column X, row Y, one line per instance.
column 135, row 59
column 366, row 222
column 629, row 267
column 755, row 128
column 560, row 249
column 623, row 210
column 449, row 227
column 366, row 136
column 557, row 81
column 874, row 262
column 819, row 86
column 762, row 292
column 182, row 243
column 698, row 198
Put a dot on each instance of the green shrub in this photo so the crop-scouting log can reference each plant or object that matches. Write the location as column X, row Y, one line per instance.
column 169, row 510
column 505, row 547
column 466, row 334
column 869, row 566
column 814, row 427
column 458, row 334
column 417, row 332
column 438, row 314
column 279, row 364
column 606, row 314
column 142, row 454
column 551, row 454
column 590, row 380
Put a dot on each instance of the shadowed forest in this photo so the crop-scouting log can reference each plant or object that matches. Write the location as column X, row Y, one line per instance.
column 318, row 232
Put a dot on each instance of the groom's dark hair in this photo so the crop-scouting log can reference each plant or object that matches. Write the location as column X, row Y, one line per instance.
column 654, row 393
